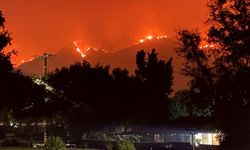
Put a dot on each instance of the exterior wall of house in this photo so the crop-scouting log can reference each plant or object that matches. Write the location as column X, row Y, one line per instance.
column 166, row 137
column 208, row 138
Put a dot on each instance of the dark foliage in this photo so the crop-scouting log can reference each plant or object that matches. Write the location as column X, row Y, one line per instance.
column 83, row 96
column 156, row 77
column 18, row 92
column 100, row 96
column 219, row 87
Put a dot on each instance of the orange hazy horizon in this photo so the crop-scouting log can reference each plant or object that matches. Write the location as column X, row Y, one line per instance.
column 47, row 26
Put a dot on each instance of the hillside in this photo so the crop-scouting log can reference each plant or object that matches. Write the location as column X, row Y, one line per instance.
column 124, row 58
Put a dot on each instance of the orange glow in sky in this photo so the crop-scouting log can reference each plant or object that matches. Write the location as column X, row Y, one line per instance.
column 48, row 25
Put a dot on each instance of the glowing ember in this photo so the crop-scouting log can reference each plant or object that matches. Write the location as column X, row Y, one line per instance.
column 150, row 37
column 27, row 60
column 141, row 41
column 78, row 48
column 162, row 37
column 89, row 48
column 83, row 49
column 79, row 51
column 206, row 46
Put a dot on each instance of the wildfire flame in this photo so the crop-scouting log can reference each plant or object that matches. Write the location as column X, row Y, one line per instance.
column 141, row 41
column 151, row 37
column 27, row 60
column 207, row 46
column 78, row 48
column 83, row 49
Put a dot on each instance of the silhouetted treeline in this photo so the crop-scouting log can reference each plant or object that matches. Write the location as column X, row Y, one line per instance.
column 102, row 95
column 83, row 96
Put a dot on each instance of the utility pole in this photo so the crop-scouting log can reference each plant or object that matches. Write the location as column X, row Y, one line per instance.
column 45, row 72
column 192, row 132
column 193, row 142
column 45, row 64
column 44, row 58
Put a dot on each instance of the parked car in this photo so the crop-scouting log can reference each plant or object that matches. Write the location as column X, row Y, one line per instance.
column 177, row 146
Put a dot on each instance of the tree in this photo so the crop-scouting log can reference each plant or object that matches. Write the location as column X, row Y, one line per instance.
column 55, row 143
column 18, row 92
column 5, row 67
column 125, row 145
column 156, row 73
column 198, row 67
column 5, row 64
column 4, row 35
column 179, row 105
column 220, row 85
column 156, row 76
column 112, row 97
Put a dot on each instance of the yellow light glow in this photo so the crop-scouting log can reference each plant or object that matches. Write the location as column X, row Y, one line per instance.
column 27, row 60
column 141, row 41
column 78, row 49
column 149, row 37
column 161, row 37
column 207, row 138
column 206, row 46
column 89, row 48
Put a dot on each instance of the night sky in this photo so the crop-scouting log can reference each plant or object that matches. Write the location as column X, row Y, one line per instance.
column 47, row 25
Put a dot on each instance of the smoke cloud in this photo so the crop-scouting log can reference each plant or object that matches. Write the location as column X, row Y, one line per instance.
column 47, row 25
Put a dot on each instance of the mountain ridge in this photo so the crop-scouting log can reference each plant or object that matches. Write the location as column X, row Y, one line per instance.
column 123, row 58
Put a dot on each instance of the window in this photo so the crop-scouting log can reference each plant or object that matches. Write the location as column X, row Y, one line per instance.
column 159, row 138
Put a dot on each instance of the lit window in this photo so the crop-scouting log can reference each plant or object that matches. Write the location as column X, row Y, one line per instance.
column 158, row 138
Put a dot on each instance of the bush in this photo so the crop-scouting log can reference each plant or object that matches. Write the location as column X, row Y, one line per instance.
column 55, row 143
column 125, row 145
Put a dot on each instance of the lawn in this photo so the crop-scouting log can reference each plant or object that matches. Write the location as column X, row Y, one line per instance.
column 28, row 148
column 18, row 148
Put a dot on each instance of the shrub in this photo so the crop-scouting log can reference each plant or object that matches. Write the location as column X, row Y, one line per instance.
column 125, row 145
column 55, row 143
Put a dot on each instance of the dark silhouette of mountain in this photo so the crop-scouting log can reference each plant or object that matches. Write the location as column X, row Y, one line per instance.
column 64, row 57
column 124, row 58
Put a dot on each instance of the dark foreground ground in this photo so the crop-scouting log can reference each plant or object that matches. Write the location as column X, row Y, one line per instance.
column 28, row 148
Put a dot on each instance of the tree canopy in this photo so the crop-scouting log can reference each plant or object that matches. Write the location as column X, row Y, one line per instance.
column 115, row 96
column 18, row 92
column 219, row 72
column 83, row 96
